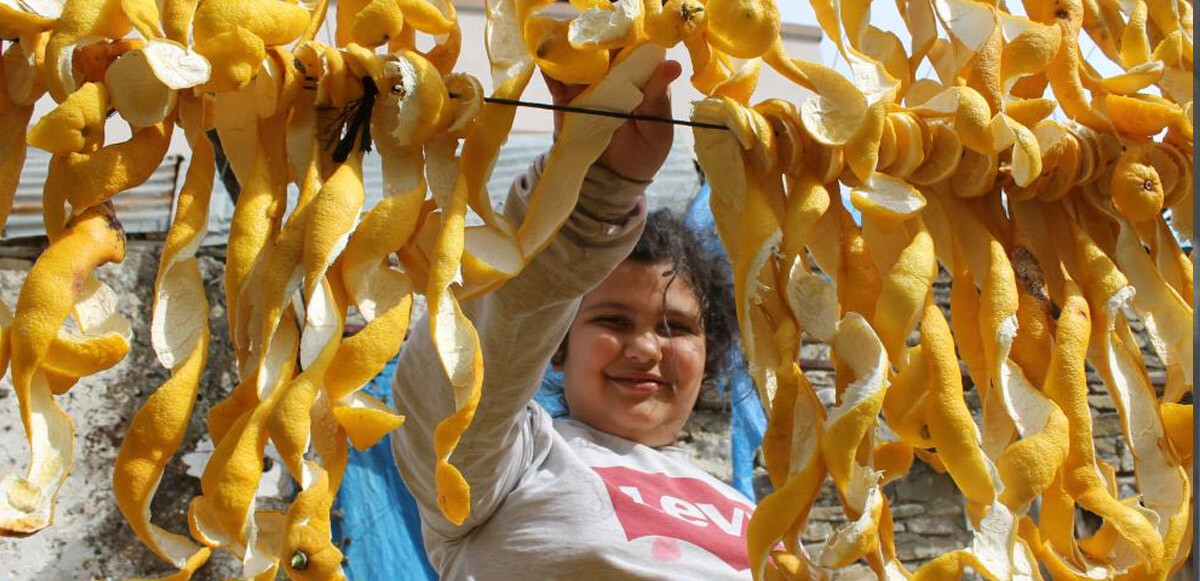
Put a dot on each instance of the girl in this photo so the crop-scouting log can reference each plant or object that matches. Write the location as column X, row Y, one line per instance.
column 604, row 493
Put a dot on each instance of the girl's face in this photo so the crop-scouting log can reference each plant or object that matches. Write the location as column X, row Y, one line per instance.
column 634, row 360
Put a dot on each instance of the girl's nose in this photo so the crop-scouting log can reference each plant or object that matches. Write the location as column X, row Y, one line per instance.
column 644, row 347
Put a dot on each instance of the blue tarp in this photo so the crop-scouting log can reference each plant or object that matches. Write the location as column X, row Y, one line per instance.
column 377, row 524
column 747, row 421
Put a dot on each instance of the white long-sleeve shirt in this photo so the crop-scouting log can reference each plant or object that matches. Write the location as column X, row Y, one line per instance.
column 557, row 499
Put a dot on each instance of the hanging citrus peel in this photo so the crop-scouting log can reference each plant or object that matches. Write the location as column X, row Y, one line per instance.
column 1028, row 466
column 47, row 298
column 930, row 165
column 179, row 332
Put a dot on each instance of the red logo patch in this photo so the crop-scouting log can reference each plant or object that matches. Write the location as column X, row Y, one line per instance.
column 688, row 509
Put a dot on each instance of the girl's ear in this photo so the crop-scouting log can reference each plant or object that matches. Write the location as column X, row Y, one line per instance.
column 560, row 355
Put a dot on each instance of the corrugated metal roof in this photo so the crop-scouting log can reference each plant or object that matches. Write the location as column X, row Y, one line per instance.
column 144, row 209
column 147, row 208
column 674, row 186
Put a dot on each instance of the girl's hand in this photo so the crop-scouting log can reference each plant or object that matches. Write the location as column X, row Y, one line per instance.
column 638, row 148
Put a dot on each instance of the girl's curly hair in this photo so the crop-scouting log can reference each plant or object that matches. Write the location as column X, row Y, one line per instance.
column 667, row 239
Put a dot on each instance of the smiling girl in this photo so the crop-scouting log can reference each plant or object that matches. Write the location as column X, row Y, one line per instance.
column 635, row 315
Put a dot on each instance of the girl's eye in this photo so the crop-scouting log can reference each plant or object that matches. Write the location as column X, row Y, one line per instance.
column 673, row 328
column 611, row 321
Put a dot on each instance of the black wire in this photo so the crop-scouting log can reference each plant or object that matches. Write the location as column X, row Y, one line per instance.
column 602, row 113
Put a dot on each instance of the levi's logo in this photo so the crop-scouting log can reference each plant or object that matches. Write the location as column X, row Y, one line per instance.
column 687, row 509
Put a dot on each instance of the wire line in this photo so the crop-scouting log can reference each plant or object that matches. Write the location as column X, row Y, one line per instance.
column 603, row 113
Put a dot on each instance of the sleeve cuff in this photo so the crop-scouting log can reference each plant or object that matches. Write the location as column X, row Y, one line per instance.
column 610, row 198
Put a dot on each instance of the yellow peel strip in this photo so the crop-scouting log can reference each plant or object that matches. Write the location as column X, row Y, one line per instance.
column 88, row 179
column 951, row 428
column 67, row 127
column 365, row 419
column 1125, row 378
column 1066, row 386
column 580, row 143
column 253, row 225
column 91, row 239
column 179, row 330
column 225, row 510
column 797, row 406
column 13, row 122
column 839, row 108
column 898, row 306
column 454, row 338
column 1163, row 311
column 306, row 548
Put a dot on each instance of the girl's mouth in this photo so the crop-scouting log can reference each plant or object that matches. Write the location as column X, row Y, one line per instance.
column 639, row 383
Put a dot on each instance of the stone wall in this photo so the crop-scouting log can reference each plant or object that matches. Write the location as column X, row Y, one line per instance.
column 90, row 540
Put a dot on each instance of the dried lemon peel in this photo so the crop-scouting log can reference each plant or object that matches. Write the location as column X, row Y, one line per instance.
column 1028, row 49
column 605, row 28
column 411, row 103
column 771, row 175
column 888, row 199
column 1139, row 117
column 940, row 162
column 238, row 55
column 546, row 40
column 90, row 240
column 275, row 22
column 910, row 145
column 1123, row 374
column 1026, row 159
column 255, row 222
column 720, row 154
column 19, row 22
column 144, row 82
column 91, row 178
column 365, row 419
column 971, row 114
column 289, row 418
column 951, row 428
column 454, row 336
column 1164, row 312
column 80, row 23
column 180, row 336
column 968, row 22
column 787, row 508
column 839, row 108
column 14, row 121
column 813, row 302
column 24, row 75
column 305, row 547
column 382, row 294
column 226, row 509
column 580, row 143
column 67, row 128
column 511, row 69
column 742, row 203
column 151, row 439
column 1027, row 467
column 742, row 28
column 903, row 291
column 1066, row 385
column 855, row 346
column 333, row 214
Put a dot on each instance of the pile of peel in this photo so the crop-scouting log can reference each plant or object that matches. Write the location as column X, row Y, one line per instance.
column 1055, row 198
